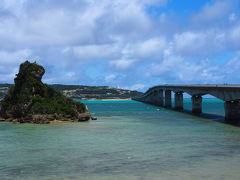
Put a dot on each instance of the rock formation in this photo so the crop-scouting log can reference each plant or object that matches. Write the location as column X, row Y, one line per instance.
column 31, row 101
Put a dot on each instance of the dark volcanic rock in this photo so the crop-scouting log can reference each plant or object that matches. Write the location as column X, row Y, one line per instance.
column 31, row 101
column 93, row 118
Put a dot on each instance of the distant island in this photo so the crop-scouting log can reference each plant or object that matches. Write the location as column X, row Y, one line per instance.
column 31, row 101
column 85, row 92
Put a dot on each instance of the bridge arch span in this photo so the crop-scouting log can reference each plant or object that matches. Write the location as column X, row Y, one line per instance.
column 162, row 96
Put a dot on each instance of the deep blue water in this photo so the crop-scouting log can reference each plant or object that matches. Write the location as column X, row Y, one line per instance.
column 130, row 140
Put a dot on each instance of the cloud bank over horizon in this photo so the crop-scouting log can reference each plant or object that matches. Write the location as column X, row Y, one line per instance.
column 134, row 44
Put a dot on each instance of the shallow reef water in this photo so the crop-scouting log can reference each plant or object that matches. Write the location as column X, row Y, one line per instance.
column 130, row 140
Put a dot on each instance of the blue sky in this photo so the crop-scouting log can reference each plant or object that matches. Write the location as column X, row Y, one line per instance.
column 135, row 44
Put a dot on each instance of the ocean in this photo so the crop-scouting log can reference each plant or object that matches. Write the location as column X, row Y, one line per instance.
column 130, row 141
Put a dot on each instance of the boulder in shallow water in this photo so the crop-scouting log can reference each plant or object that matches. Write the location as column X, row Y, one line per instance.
column 31, row 101
column 93, row 118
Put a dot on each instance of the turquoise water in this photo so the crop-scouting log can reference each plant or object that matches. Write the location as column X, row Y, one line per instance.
column 130, row 140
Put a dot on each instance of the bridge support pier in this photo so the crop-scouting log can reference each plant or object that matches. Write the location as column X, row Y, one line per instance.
column 168, row 99
column 160, row 98
column 153, row 98
column 157, row 98
column 148, row 99
column 178, row 97
column 196, row 104
column 232, row 111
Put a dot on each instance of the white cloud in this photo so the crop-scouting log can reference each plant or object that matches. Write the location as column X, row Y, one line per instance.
column 234, row 37
column 213, row 11
column 184, row 70
column 199, row 43
column 71, row 74
column 110, row 78
column 169, row 64
column 154, row 2
column 14, row 6
column 151, row 47
column 7, row 77
column 137, row 87
column 141, row 50
column 64, row 78
column 9, row 62
column 108, row 51
column 122, row 64
column 232, row 17
column 200, row 72
column 13, row 57
column 120, row 39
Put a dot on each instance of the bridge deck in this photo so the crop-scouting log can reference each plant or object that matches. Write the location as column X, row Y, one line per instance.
column 204, row 86
column 161, row 95
column 226, row 92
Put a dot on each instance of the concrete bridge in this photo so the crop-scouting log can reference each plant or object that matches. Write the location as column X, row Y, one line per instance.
column 162, row 96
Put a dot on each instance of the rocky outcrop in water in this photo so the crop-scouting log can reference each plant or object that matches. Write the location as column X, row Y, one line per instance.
column 31, row 101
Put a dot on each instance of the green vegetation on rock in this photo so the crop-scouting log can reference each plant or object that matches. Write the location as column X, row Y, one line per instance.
column 30, row 97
